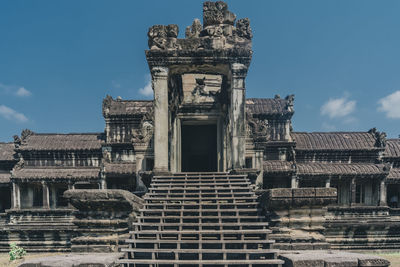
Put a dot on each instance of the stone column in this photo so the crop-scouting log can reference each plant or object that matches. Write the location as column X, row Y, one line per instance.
column 46, row 195
column 160, row 87
column 237, row 115
column 15, row 200
column 103, row 184
column 382, row 195
column 353, row 191
column 293, row 182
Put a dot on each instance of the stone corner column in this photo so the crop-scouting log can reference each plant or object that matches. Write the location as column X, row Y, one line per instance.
column 238, row 115
column 160, row 86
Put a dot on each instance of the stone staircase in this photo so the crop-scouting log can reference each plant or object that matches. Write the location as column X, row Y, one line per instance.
column 200, row 219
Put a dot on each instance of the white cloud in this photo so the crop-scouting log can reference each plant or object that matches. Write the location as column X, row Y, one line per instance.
column 115, row 84
column 15, row 90
column 147, row 90
column 338, row 107
column 23, row 92
column 10, row 114
column 390, row 105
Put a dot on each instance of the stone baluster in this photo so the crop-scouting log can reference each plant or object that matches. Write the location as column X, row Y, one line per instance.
column 294, row 182
column 237, row 115
column 328, row 182
column 160, row 87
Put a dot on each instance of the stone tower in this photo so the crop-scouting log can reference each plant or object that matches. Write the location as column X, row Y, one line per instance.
column 199, row 92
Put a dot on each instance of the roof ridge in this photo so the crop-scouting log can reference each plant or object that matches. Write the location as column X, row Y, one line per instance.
column 83, row 133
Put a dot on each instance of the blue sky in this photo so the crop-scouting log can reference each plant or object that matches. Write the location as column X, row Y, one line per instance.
column 58, row 60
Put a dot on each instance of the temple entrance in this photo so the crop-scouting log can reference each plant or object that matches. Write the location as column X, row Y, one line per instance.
column 199, row 148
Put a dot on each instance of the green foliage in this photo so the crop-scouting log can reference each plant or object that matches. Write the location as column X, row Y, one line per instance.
column 16, row 252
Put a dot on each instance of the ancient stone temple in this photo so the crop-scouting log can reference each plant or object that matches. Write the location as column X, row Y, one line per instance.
column 201, row 175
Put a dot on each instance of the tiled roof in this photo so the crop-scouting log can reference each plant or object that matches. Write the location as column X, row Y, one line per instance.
column 319, row 168
column 268, row 106
column 126, row 107
column 57, row 173
column 73, row 141
column 123, row 168
column 6, row 151
column 334, row 141
column 278, row 166
column 394, row 174
column 392, row 148
column 5, row 177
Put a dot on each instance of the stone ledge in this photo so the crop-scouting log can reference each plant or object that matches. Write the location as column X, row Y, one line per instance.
column 75, row 260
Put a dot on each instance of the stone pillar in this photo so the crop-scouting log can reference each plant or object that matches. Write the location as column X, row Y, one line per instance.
column 160, row 87
column 293, row 182
column 103, row 184
column 15, row 200
column 353, row 191
column 237, row 115
column 46, row 195
column 382, row 195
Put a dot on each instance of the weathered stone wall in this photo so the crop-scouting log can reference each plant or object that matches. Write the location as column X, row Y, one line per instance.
column 297, row 215
column 103, row 218
column 362, row 228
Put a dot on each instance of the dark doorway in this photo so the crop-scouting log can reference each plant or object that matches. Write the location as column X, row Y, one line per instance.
column 199, row 148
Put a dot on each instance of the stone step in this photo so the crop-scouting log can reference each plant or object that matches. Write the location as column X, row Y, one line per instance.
column 201, row 195
column 252, row 198
column 196, row 212
column 203, row 244
column 198, row 254
column 199, row 226
column 198, row 190
column 198, row 185
column 202, row 219
column 197, row 206
column 203, row 262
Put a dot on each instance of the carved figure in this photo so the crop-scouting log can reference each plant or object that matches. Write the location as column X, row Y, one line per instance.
column 194, row 30
column 258, row 128
column 380, row 137
column 163, row 36
column 243, row 28
column 106, row 155
column 25, row 134
column 145, row 131
column 215, row 13
column 107, row 104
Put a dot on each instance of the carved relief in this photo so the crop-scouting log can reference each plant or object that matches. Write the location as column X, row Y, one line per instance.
column 163, row 37
column 145, row 131
column 107, row 104
column 215, row 13
column 201, row 88
column 243, row 28
column 258, row 128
